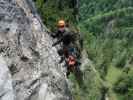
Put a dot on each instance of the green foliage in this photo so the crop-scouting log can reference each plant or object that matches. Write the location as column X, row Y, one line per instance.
column 124, row 85
column 91, row 81
column 90, row 8
column 108, row 28
column 53, row 10
column 113, row 74
column 108, row 38
column 116, row 20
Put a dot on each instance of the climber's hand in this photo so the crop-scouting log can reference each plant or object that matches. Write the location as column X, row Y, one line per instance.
column 53, row 35
column 53, row 45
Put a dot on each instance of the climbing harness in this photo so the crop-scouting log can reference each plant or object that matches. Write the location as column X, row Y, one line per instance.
column 71, row 60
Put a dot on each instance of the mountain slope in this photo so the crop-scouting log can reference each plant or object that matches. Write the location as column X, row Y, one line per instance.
column 108, row 29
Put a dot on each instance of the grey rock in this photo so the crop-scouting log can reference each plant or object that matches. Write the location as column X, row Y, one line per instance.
column 6, row 89
column 29, row 55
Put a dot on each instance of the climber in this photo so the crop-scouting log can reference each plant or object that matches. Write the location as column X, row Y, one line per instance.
column 68, row 51
column 65, row 36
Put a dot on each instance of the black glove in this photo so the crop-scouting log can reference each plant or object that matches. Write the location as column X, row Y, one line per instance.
column 53, row 35
column 53, row 45
column 57, row 42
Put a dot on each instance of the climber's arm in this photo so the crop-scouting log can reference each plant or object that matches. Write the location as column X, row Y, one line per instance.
column 54, row 35
column 59, row 41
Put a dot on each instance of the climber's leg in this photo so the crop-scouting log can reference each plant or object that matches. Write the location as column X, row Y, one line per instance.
column 62, row 59
column 68, row 71
column 60, row 52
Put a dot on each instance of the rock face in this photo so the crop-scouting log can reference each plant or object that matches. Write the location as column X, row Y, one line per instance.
column 27, row 57
column 6, row 89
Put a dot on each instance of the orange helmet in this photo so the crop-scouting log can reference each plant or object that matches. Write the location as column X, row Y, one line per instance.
column 61, row 23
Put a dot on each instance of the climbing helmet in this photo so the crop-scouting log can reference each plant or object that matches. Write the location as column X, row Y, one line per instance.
column 61, row 23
